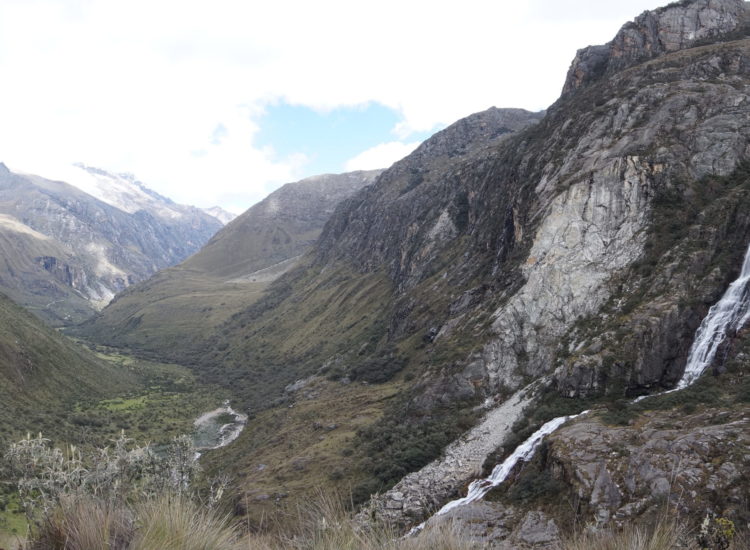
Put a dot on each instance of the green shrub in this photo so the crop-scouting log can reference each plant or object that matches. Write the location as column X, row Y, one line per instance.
column 533, row 486
column 378, row 370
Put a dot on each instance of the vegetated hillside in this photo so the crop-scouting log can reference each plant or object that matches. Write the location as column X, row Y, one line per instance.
column 175, row 310
column 43, row 374
column 560, row 267
column 66, row 253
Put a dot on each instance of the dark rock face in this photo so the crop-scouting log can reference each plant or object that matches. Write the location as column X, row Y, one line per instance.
column 645, row 344
column 653, row 33
column 421, row 203
column 596, row 239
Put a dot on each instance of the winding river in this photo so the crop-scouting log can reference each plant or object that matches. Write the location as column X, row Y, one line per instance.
column 217, row 428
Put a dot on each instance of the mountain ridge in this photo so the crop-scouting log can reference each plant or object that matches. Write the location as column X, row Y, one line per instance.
column 78, row 251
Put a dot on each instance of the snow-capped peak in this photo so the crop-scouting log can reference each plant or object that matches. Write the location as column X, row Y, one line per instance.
column 122, row 191
column 224, row 216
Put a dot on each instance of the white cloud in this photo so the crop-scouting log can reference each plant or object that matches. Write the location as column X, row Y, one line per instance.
column 381, row 156
column 143, row 86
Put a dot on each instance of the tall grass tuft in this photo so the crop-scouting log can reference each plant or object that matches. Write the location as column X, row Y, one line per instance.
column 84, row 523
column 667, row 534
column 326, row 523
column 177, row 523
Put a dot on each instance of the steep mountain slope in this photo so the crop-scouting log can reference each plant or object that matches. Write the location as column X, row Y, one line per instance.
column 173, row 311
column 43, row 373
column 66, row 253
column 523, row 277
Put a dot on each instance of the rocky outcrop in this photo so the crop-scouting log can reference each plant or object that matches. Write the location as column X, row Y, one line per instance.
column 611, row 477
column 695, row 463
column 653, row 33
column 640, row 341
column 594, row 199
column 420, row 205
column 494, row 525
column 595, row 175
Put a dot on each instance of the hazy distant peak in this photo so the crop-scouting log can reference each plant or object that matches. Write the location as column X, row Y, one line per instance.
column 122, row 191
column 224, row 216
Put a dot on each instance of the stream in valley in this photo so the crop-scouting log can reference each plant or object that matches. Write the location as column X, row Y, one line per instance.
column 217, row 428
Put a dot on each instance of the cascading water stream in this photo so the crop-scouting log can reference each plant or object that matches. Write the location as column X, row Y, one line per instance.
column 480, row 487
column 525, row 451
column 727, row 316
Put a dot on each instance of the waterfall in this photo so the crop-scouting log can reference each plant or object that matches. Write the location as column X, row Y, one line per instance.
column 726, row 316
column 524, row 451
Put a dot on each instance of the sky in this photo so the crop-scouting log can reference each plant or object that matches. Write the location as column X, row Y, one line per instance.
column 220, row 102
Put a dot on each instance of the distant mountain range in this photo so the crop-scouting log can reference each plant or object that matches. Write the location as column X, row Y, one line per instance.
column 67, row 250
column 130, row 195
column 176, row 308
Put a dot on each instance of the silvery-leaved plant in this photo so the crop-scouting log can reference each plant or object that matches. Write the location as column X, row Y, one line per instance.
column 118, row 473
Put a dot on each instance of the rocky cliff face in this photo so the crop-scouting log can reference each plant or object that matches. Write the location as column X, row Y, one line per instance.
column 608, row 477
column 678, row 26
column 635, row 224
column 67, row 253
column 404, row 221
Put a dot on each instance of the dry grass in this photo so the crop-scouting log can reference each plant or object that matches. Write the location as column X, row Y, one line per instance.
column 664, row 536
column 179, row 524
column 83, row 524
column 667, row 534
column 174, row 523
column 168, row 523
column 327, row 524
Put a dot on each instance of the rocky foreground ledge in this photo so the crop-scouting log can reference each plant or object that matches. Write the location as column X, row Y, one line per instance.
column 665, row 462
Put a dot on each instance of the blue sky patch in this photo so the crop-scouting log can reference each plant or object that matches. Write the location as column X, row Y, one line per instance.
column 329, row 138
